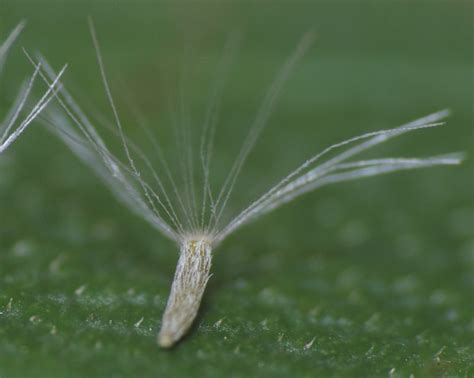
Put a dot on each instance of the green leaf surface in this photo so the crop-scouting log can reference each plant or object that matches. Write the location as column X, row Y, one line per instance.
column 369, row 278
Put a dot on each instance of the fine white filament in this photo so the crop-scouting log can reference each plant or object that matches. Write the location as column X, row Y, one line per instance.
column 11, row 127
column 193, row 217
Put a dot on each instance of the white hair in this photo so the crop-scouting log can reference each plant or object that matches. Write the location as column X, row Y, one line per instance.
column 192, row 217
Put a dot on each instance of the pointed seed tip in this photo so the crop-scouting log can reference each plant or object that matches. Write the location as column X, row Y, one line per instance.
column 165, row 341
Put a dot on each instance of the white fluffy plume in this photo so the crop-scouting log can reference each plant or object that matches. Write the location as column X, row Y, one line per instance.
column 192, row 215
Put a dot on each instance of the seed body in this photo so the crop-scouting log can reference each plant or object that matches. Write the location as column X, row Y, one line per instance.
column 189, row 283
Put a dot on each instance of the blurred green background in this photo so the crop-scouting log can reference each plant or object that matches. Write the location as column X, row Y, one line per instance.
column 369, row 278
